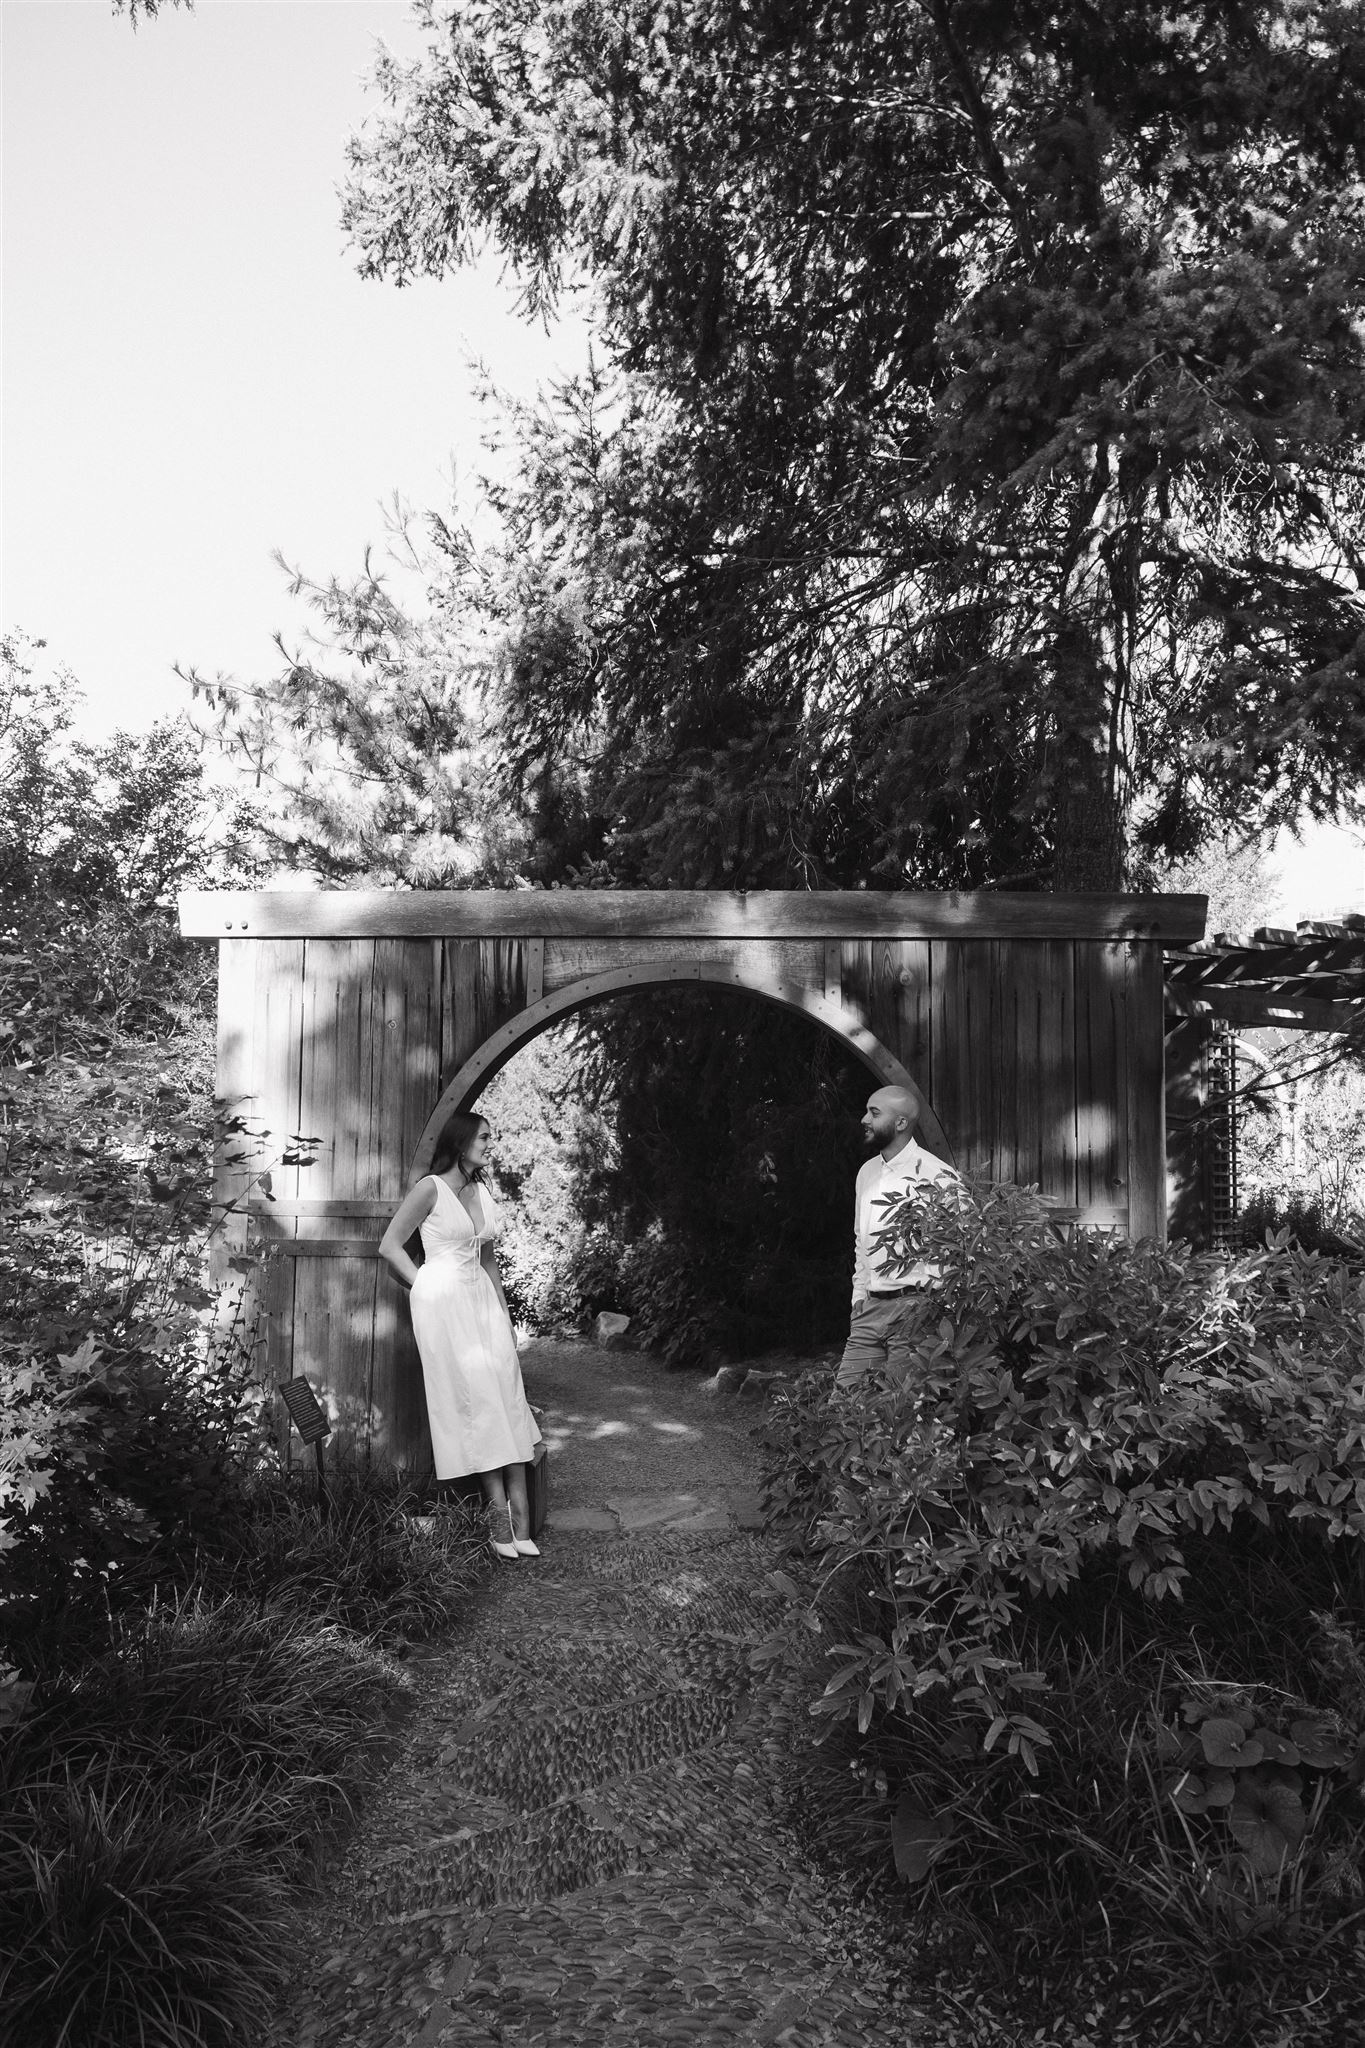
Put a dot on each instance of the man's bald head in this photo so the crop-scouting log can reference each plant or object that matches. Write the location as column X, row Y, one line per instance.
column 890, row 1118
column 896, row 1102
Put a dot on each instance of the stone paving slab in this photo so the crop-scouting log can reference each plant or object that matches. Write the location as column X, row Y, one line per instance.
column 635, row 1511
column 575, row 1521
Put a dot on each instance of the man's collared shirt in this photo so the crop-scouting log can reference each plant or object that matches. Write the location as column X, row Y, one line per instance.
column 874, row 1272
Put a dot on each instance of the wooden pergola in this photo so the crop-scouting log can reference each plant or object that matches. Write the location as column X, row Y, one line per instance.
column 1309, row 977
column 351, row 1024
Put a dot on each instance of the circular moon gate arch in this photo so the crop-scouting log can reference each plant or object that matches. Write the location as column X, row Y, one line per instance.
column 1035, row 1021
column 503, row 1044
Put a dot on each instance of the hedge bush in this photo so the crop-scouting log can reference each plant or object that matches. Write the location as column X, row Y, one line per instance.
column 1080, row 1537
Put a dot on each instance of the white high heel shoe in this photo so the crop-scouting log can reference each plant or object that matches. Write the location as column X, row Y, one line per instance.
column 525, row 1547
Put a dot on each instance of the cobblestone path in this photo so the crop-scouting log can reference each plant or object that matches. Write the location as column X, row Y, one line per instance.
column 581, row 1841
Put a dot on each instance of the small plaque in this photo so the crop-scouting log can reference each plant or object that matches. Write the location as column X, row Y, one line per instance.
column 305, row 1413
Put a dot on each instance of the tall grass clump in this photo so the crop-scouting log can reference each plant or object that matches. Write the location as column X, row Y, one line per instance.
column 196, row 1676
column 370, row 1563
column 157, row 1812
column 1075, row 1610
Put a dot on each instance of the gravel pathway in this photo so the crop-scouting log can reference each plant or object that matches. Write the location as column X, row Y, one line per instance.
column 581, row 1840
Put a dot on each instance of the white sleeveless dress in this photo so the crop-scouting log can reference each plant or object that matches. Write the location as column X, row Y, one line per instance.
column 476, row 1403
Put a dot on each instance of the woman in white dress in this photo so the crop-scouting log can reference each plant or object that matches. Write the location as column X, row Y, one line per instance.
column 476, row 1403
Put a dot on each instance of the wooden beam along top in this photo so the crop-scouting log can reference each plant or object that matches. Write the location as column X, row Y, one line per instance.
column 685, row 914
column 1259, row 1009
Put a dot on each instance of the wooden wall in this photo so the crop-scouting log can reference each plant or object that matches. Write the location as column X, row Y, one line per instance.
column 1042, row 1058
column 333, row 1051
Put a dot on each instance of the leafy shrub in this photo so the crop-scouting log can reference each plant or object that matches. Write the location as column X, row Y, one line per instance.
column 118, row 1463
column 1067, row 1407
column 1083, row 1524
column 692, row 1310
column 155, row 1811
column 1305, row 1219
column 1094, row 1854
column 41, row 1411
column 654, row 1281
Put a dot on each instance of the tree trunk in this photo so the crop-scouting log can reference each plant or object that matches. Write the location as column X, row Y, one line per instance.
column 1089, row 815
column 1088, row 836
column 1089, row 839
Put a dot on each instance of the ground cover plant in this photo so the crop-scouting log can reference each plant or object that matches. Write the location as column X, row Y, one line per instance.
column 1075, row 1604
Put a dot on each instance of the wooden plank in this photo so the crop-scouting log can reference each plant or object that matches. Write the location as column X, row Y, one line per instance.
column 275, row 1281
column 504, row 964
column 421, row 1003
column 334, row 1300
column 329, row 1053
column 380, row 1206
column 277, row 1029
column 408, row 977
column 986, row 1081
column 855, row 980
column 232, row 1098
column 1146, row 1093
column 460, row 1017
column 398, row 1414
column 321, row 1247
column 399, row 1431
column 833, row 971
column 405, row 1031
column 1101, row 1076
column 1095, row 1217
column 799, row 960
column 1057, row 1070
column 685, row 914
column 278, row 1299
column 963, row 1015
column 343, row 1101
column 1018, row 1144
column 484, row 984
column 535, row 970
column 1251, row 1009
column 1333, row 956
column 886, row 985
column 947, row 1046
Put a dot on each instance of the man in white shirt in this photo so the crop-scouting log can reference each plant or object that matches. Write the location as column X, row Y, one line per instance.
column 879, row 1289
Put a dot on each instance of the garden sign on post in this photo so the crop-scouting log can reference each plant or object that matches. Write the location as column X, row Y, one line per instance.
column 351, row 1024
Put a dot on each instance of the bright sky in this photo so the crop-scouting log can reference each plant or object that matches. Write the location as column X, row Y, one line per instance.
column 193, row 374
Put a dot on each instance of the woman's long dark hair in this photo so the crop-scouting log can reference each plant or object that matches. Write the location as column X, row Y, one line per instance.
column 454, row 1141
